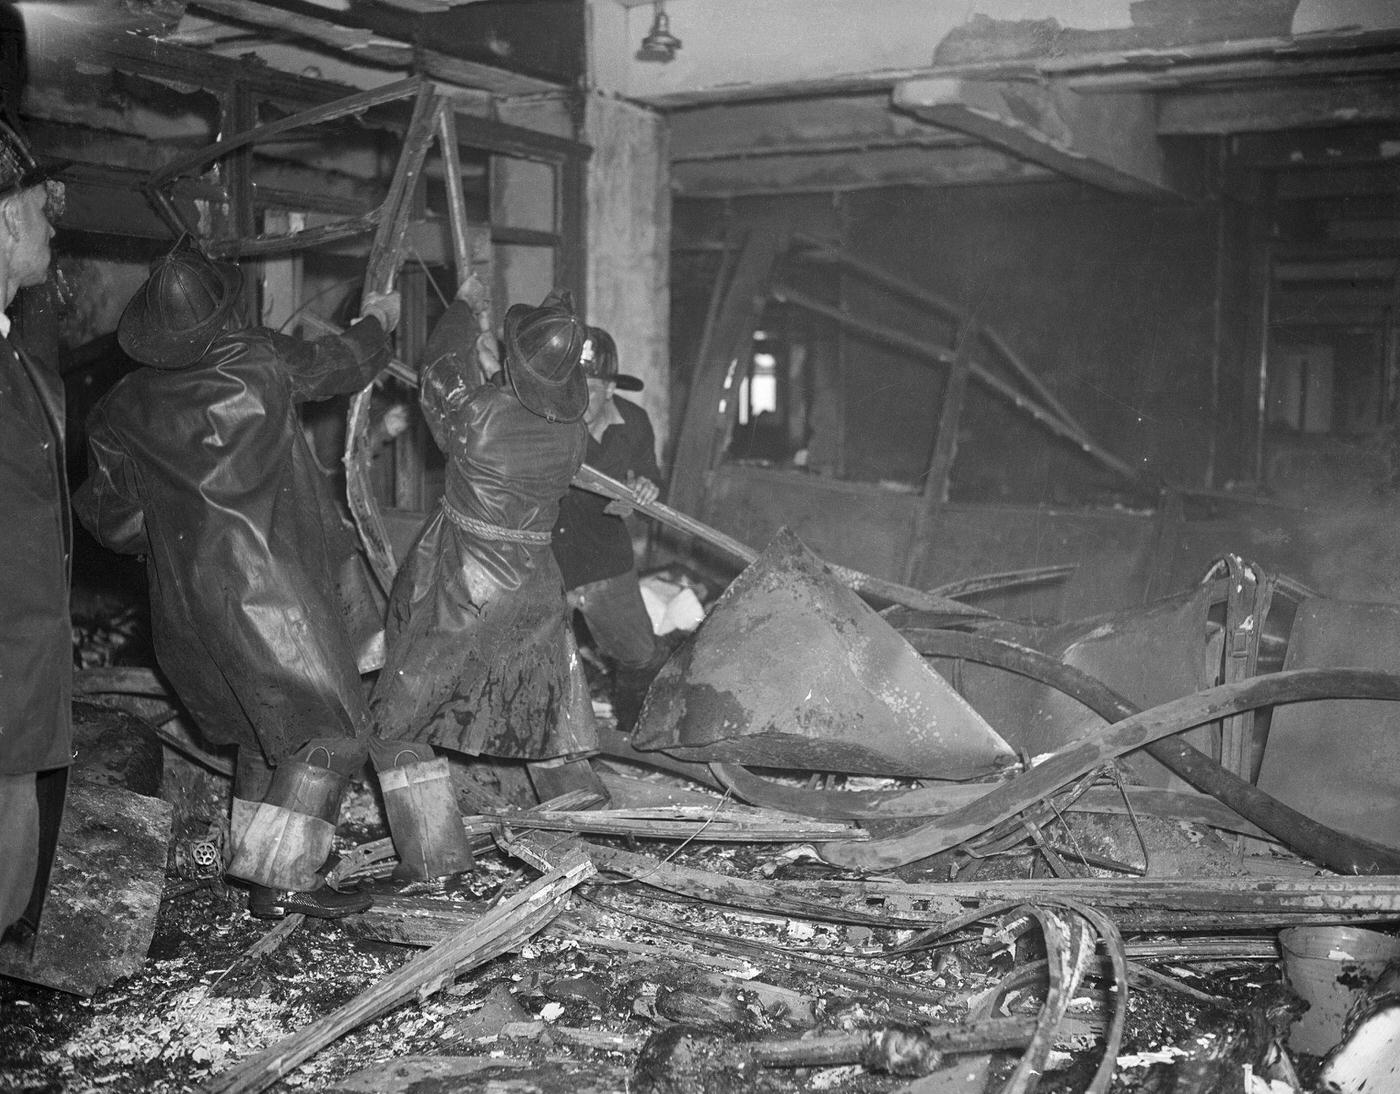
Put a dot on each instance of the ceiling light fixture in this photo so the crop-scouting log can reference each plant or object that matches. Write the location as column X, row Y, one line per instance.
column 659, row 44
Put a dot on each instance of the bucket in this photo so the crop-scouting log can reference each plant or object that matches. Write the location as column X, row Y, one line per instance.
column 1329, row 967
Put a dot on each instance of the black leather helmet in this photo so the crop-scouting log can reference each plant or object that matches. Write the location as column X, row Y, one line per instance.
column 543, row 346
column 180, row 308
column 603, row 365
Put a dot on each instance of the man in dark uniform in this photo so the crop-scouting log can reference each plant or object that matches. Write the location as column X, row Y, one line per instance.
column 592, row 541
column 36, row 638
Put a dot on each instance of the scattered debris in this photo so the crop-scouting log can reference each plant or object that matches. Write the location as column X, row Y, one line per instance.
column 717, row 927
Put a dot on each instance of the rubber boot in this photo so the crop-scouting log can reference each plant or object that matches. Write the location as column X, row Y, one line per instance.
column 421, row 806
column 630, row 686
column 282, row 841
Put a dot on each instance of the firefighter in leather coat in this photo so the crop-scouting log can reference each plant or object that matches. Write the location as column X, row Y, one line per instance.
column 198, row 462
column 36, row 636
column 479, row 656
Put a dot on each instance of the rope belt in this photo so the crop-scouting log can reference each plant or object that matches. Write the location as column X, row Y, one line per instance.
column 486, row 530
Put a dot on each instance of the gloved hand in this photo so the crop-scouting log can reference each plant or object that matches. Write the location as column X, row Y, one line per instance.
column 383, row 306
column 395, row 420
column 488, row 358
column 474, row 293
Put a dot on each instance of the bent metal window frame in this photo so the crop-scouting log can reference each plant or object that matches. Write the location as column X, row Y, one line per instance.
column 567, row 158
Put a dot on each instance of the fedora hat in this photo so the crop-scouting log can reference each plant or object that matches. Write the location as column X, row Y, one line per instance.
column 543, row 346
column 603, row 364
column 179, row 309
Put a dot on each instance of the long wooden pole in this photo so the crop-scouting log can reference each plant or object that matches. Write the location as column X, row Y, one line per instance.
column 596, row 482
column 452, row 180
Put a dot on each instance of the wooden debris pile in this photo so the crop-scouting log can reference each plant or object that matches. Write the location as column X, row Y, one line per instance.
column 692, row 948
column 716, row 925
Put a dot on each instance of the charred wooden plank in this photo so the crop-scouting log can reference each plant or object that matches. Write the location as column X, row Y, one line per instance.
column 1166, row 904
column 510, row 925
column 682, row 823
column 877, row 588
column 104, row 892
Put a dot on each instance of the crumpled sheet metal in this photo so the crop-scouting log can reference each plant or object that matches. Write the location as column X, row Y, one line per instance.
column 1338, row 760
column 1148, row 655
column 792, row 669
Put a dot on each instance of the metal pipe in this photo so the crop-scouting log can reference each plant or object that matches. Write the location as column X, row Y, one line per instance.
column 1338, row 851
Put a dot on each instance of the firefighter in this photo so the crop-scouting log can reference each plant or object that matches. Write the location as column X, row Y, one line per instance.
column 480, row 658
column 199, row 463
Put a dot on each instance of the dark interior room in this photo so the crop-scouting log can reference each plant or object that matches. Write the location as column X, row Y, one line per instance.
column 700, row 545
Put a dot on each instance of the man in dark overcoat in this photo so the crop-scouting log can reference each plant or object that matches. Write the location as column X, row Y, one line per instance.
column 36, row 643
column 592, row 541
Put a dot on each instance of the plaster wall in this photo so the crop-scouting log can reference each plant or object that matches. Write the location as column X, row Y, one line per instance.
column 1127, row 312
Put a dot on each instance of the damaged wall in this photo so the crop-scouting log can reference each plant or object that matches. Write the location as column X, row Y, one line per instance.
column 1138, row 316
column 1110, row 300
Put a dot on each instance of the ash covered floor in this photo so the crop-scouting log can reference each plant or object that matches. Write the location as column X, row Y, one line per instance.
column 628, row 989
column 687, row 966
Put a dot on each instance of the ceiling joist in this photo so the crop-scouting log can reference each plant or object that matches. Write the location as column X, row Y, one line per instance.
column 1106, row 140
column 358, row 44
column 745, row 131
column 874, row 168
column 1305, row 105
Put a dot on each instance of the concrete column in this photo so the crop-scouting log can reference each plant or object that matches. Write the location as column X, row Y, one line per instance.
column 629, row 245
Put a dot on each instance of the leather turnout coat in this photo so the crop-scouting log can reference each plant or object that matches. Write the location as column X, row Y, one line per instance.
column 36, row 643
column 479, row 655
column 205, row 471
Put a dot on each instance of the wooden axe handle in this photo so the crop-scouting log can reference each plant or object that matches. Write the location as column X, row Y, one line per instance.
column 594, row 481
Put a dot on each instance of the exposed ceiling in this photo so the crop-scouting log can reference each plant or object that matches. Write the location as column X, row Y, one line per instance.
column 495, row 48
column 1296, row 102
column 783, row 96
column 1289, row 107
column 1131, row 99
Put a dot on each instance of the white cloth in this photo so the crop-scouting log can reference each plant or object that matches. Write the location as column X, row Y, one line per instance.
column 671, row 606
